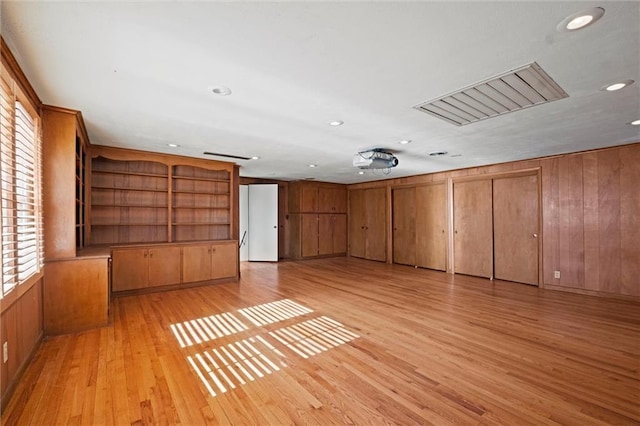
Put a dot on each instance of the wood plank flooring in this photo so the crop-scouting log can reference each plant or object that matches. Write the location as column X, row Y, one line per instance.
column 343, row 341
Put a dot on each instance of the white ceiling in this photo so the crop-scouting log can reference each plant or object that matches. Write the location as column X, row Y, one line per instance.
column 141, row 74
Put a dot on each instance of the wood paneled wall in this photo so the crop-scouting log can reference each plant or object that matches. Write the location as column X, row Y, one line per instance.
column 21, row 328
column 591, row 220
column 590, row 213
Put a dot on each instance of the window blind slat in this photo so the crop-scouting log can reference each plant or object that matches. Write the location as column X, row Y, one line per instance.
column 21, row 248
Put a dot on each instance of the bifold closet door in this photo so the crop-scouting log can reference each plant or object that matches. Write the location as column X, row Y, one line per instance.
column 516, row 228
column 430, row 227
column 404, row 226
column 473, row 228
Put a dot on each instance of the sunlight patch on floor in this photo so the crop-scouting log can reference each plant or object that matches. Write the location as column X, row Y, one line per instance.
column 229, row 365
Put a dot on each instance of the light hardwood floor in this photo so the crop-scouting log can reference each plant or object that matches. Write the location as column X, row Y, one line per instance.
column 343, row 341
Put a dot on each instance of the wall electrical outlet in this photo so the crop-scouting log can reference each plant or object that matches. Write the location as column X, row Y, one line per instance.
column 556, row 274
column 5, row 352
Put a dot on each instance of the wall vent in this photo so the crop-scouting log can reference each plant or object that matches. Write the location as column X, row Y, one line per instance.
column 521, row 88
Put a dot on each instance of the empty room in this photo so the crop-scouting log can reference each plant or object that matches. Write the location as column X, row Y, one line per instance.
column 320, row 213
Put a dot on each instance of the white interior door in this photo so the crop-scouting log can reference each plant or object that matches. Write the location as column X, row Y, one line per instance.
column 244, row 223
column 263, row 222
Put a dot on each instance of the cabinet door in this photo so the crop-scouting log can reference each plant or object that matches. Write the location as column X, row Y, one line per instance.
column 357, row 219
column 309, row 199
column 473, row 228
column 196, row 263
column 164, row 266
column 225, row 260
column 130, row 269
column 404, row 226
column 309, row 235
column 431, row 223
column 339, row 233
column 516, row 223
column 332, row 200
column 376, row 238
column 325, row 234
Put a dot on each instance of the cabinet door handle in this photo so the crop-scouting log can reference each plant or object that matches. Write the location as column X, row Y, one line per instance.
column 535, row 235
column 145, row 253
column 150, row 253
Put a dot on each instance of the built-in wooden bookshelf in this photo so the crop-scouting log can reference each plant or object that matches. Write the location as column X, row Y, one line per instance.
column 81, row 170
column 137, row 201
column 201, row 204
column 128, row 201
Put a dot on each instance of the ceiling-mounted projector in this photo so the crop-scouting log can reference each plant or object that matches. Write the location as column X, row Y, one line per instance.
column 374, row 159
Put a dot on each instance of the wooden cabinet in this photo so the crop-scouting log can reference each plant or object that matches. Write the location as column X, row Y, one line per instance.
column 367, row 222
column 208, row 262
column 318, row 221
column 317, row 197
column 318, row 235
column 136, row 268
column 332, row 234
column 139, row 267
column 76, row 294
column 332, row 200
column 63, row 165
column 75, row 289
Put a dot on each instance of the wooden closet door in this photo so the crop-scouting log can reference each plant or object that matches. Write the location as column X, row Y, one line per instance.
column 404, row 226
column 309, row 234
column 325, row 234
column 339, row 233
column 473, row 228
column 376, row 236
column 357, row 219
column 516, row 227
column 431, row 223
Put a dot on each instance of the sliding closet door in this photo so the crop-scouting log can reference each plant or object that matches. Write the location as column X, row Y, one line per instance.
column 431, row 223
column 516, row 229
column 404, row 226
column 357, row 222
column 473, row 228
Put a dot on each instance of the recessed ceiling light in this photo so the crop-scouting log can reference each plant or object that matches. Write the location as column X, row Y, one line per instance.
column 221, row 90
column 336, row 123
column 313, row 165
column 255, row 157
column 173, row 145
column 581, row 19
column 612, row 87
column 438, row 153
column 635, row 123
column 404, row 142
column 360, row 173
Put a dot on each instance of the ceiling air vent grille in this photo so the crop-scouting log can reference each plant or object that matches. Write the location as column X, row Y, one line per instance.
column 521, row 88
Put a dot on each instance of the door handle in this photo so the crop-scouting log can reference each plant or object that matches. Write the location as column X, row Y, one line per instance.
column 535, row 235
